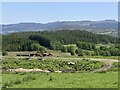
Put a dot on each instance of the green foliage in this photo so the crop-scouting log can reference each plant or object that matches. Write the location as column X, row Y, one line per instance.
column 36, row 41
column 23, row 40
column 97, row 52
column 103, row 48
column 4, row 53
column 52, row 65
column 42, row 49
column 64, row 49
column 39, row 37
column 79, row 52
column 56, row 45
column 35, row 47
column 86, row 46
column 71, row 49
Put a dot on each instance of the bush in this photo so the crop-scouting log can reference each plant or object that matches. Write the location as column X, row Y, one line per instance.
column 35, row 47
column 80, row 52
column 42, row 49
column 71, row 49
column 55, row 45
column 72, row 53
column 4, row 53
column 64, row 49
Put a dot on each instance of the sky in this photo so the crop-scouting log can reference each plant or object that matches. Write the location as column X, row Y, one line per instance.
column 43, row 12
column 60, row 0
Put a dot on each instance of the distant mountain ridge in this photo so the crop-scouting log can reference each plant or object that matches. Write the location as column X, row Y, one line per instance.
column 92, row 26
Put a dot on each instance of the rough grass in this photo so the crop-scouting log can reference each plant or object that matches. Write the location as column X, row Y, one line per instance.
column 66, row 80
column 15, row 79
column 53, row 64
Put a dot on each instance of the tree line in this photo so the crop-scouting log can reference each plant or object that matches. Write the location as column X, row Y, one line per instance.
column 56, row 40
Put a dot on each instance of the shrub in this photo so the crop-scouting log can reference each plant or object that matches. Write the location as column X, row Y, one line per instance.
column 55, row 45
column 63, row 49
column 4, row 53
column 71, row 49
column 79, row 52
column 42, row 49
column 35, row 47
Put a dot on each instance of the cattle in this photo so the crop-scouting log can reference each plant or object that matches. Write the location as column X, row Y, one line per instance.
column 35, row 54
column 23, row 55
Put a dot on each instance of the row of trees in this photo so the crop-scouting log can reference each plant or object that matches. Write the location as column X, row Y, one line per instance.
column 33, row 47
column 89, row 49
column 97, row 52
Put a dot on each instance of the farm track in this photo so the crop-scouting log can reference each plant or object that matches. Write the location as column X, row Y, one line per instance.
column 27, row 70
column 31, row 70
column 104, row 68
column 107, row 66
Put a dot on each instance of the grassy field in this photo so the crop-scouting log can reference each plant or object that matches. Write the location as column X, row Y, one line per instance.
column 78, row 75
column 63, row 80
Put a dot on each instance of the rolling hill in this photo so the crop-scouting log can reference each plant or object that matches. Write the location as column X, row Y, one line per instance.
column 101, row 27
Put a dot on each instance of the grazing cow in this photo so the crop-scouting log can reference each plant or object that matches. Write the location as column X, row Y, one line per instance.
column 23, row 55
column 50, row 54
column 32, row 54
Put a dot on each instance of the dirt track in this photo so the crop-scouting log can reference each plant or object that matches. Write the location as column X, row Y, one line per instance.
column 27, row 70
column 94, row 59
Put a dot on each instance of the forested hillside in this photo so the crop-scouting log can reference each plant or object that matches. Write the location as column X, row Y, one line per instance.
column 23, row 40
